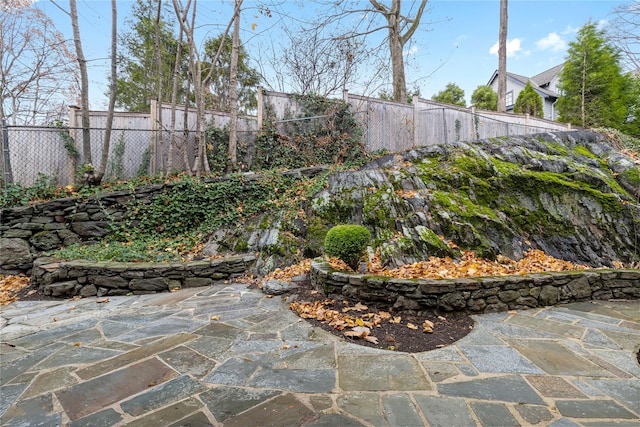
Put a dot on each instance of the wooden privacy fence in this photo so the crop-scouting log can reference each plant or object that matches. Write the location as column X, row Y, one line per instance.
column 141, row 142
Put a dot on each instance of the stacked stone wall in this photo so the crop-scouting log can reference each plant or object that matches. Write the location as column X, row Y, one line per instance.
column 481, row 294
column 83, row 278
column 27, row 231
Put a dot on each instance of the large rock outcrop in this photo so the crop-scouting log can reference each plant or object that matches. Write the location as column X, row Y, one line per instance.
column 571, row 194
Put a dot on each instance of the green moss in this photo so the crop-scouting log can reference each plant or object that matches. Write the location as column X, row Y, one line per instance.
column 556, row 147
column 582, row 150
column 377, row 211
column 241, row 246
column 632, row 176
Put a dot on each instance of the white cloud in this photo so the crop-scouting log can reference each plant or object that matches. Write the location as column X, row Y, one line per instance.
column 514, row 49
column 552, row 42
column 411, row 51
column 602, row 24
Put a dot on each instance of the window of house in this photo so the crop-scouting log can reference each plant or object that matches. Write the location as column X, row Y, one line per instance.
column 509, row 101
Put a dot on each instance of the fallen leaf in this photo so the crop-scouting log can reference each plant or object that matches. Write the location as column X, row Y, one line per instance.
column 285, row 347
column 444, row 319
column 427, row 327
column 512, row 312
column 102, row 301
column 216, row 317
column 77, row 344
column 397, row 319
column 411, row 326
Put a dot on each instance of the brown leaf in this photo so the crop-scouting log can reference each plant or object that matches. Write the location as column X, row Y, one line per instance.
column 102, row 301
column 411, row 326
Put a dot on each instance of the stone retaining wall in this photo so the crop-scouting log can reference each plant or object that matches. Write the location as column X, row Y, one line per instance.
column 479, row 295
column 27, row 231
column 84, row 278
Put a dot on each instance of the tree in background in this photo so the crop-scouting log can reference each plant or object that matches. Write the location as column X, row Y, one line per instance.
column 452, row 94
column 592, row 82
column 529, row 102
column 217, row 89
column 140, row 79
column 624, row 32
column 36, row 66
column 484, row 98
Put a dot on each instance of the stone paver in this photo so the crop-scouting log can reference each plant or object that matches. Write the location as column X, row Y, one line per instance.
column 227, row 355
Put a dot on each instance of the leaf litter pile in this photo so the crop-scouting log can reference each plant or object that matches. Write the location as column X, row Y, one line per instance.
column 406, row 332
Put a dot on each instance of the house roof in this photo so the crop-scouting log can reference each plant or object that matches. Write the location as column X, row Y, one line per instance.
column 545, row 77
column 536, row 81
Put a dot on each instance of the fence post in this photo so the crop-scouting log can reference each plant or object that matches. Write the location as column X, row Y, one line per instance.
column 444, row 125
column 416, row 117
column 153, row 116
column 260, row 107
column 6, row 163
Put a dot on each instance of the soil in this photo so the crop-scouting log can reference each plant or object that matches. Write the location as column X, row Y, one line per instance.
column 447, row 327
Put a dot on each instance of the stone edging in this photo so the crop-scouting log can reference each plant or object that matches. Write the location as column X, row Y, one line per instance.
column 86, row 278
column 479, row 294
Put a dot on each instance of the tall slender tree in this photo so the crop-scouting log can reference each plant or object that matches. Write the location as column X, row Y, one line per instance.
column 502, row 57
column 233, row 89
column 112, row 92
column 84, row 85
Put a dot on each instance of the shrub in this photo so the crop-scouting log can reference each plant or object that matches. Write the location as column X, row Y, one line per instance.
column 347, row 242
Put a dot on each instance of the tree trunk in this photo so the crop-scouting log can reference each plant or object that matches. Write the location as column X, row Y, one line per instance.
column 112, row 92
column 502, row 58
column 233, row 91
column 157, row 138
column 397, row 62
column 395, row 22
column 84, row 85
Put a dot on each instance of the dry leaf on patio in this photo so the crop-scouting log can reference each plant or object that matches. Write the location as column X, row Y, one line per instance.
column 102, row 301
column 427, row 327
column 216, row 317
column 361, row 332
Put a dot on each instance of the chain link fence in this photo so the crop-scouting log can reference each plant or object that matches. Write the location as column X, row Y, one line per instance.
column 55, row 154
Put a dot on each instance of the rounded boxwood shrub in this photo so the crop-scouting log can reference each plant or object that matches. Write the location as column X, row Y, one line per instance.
column 347, row 242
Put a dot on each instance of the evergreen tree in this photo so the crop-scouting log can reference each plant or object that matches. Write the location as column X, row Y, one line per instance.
column 592, row 82
column 218, row 88
column 529, row 102
column 139, row 76
column 485, row 98
column 452, row 94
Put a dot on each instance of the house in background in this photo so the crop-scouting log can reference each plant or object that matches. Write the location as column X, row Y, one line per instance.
column 545, row 84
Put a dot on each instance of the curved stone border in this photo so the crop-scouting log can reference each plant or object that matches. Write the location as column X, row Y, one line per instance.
column 479, row 294
column 86, row 278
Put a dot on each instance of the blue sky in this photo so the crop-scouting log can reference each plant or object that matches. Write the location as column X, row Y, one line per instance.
column 456, row 41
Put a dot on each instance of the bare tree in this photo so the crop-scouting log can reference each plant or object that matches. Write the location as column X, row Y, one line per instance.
column 351, row 22
column 112, row 92
column 36, row 67
column 502, row 58
column 400, row 28
column 319, row 64
column 233, row 89
column 624, row 31
column 84, row 85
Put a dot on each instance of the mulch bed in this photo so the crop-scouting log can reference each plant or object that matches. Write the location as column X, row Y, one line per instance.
column 448, row 327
